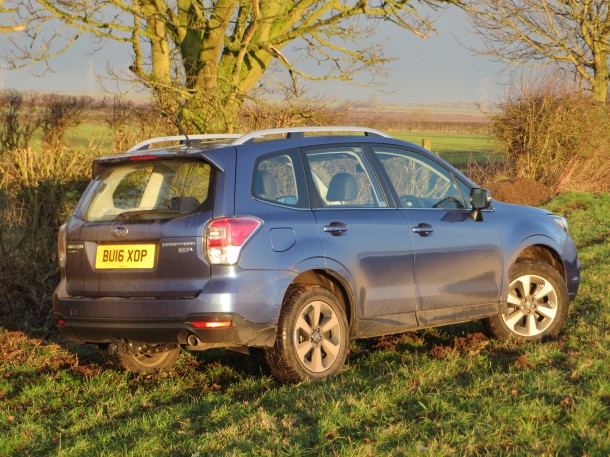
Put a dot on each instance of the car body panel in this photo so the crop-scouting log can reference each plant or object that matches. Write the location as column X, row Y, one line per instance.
column 255, row 295
column 524, row 227
column 381, row 269
column 179, row 269
column 458, row 263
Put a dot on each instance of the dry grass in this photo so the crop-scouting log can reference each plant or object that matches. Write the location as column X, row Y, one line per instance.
column 555, row 134
column 40, row 189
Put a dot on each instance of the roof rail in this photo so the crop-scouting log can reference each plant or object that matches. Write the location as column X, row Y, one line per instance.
column 299, row 131
column 242, row 139
column 164, row 139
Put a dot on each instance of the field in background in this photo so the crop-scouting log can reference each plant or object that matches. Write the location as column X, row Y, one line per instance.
column 457, row 148
column 98, row 135
column 444, row 391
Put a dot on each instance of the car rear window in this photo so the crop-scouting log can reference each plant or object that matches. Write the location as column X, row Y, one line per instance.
column 149, row 190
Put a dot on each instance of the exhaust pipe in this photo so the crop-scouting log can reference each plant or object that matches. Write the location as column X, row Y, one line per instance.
column 194, row 343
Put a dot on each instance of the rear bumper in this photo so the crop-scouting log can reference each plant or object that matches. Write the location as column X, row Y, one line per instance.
column 251, row 300
column 159, row 331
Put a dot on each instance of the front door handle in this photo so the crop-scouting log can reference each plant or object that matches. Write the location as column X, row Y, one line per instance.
column 335, row 228
column 423, row 229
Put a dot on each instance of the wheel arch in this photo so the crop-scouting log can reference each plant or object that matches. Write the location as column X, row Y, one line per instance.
column 334, row 283
column 542, row 253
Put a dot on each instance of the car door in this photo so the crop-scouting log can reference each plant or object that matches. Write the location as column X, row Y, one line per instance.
column 458, row 261
column 364, row 240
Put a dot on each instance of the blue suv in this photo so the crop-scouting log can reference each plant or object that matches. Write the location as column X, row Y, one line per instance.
column 296, row 241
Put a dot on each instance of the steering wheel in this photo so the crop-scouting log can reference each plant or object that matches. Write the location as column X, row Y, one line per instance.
column 450, row 199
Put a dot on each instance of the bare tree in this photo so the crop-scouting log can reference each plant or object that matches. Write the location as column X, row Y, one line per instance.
column 16, row 27
column 203, row 57
column 573, row 34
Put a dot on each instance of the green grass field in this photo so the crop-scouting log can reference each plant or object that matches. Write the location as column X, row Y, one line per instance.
column 445, row 391
column 457, row 149
column 98, row 135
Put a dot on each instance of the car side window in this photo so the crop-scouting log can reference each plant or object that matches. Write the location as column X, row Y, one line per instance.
column 418, row 181
column 275, row 180
column 343, row 177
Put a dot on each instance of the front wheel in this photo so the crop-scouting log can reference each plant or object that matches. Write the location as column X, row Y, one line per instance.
column 147, row 360
column 537, row 304
column 312, row 338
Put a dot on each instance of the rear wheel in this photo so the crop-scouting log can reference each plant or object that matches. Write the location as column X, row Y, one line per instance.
column 537, row 304
column 312, row 338
column 147, row 360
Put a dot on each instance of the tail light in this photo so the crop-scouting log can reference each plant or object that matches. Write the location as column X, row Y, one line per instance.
column 212, row 324
column 225, row 238
column 61, row 247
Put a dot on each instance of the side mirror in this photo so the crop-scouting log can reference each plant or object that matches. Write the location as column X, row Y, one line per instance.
column 480, row 199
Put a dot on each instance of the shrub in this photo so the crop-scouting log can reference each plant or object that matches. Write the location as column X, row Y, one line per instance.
column 24, row 116
column 18, row 124
column 557, row 135
column 39, row 190
column 58, row 112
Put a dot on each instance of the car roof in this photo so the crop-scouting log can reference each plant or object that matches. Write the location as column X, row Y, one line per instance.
column 270, row 140
column 239, row 139
column 258, row 142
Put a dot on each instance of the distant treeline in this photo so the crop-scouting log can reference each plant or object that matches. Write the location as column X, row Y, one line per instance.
column 24, row 115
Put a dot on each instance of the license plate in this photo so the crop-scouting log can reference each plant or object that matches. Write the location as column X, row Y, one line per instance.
column 125, row 256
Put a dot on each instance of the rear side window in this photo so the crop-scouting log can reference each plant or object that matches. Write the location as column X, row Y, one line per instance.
column 149, row 190
column 275, row 180
column 343, row 177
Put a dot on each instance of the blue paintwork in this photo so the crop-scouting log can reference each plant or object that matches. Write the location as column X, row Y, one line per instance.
column 385, row 269
column 460, row 259
column 524, row 226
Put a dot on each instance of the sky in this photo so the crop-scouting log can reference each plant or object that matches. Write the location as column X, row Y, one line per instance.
column 425, row 71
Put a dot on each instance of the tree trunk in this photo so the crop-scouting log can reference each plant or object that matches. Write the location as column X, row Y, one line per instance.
column 600, row 78
column 159, row 51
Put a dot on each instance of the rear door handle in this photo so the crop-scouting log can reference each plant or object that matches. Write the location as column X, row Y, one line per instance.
column 335, row 228
column 423, row 229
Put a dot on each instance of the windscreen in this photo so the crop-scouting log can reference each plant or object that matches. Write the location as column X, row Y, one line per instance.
column 149, row 190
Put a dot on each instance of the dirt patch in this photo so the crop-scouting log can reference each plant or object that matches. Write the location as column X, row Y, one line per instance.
column 523, row 361
column 41, row 356
column 472, row 344
column 391, row 341
column 521, row 191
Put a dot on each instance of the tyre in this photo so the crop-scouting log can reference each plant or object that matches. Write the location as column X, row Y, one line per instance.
column 312, row 338
column 537, row 304
column 120, row 357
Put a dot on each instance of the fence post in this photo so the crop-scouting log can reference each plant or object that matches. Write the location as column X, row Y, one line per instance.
column 426, row 143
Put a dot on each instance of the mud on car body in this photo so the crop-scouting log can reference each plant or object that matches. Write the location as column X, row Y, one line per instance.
column 297, row 241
